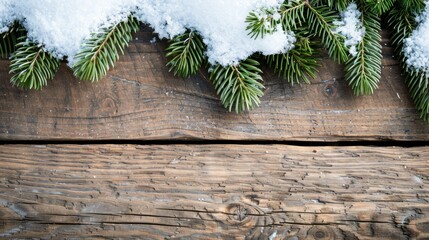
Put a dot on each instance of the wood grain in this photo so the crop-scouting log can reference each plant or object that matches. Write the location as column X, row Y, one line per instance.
column 213, row 192
column 140, row 99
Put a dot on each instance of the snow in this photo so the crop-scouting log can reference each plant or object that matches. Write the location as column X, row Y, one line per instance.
column 60, row 27
column 416, row 47
column 350, row 27
column 6, row 15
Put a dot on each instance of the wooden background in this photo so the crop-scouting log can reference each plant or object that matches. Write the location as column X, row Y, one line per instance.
column 143, row 154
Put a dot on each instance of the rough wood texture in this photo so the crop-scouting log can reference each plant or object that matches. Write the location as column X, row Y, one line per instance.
column 139, row 99
column 214, row 191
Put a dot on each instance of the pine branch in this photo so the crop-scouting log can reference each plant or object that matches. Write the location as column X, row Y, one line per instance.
column 380, row 6
column 338, row 5
column 261, row 25
column 101, row 51
column 298, row 64
column 9, row 39
column 320, row 19
column 292, row 14
column 239, row 87
column 411, row 5
column 32, row 67
column 187, row 54
column 417, row 82
column 401, row 22
column 363, row 71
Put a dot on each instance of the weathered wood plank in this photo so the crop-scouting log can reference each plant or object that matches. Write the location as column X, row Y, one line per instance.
column 140, row 99
column 214, row 191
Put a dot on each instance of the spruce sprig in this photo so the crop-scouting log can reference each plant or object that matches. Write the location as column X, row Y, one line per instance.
column 299, row 63
column 401, row 23
column 32, row 66
column 187, row 54
column 9, row 40
column 238, row 86
column 363, row 71
column 102, row 50
column 338, row 5
column 379, row 7
column 320, row 20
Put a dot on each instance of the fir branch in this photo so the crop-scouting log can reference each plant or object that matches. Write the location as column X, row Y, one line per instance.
column 258, row 25
column 9, row 39
column 401, row 22
column 298, row 64
column 100, row 52
column 32, row 67
column 363, row 71
column 414, row 6
column 417, row 82
column 338, row 5
column 292, row 14
column 187, row 54
column 239, row 87
column 320, row 19
column 379, row 7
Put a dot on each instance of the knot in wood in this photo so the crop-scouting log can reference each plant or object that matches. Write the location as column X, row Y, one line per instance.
column 239, row 214
column 330, row 89
column 320, row 233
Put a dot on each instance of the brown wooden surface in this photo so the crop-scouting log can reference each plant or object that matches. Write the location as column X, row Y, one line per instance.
column 139, row 99
column 214, row 191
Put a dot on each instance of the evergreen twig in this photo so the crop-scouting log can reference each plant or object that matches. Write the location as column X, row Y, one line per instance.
column 101, row 51
column 32, row 66
column 187, row 54
column 238, row 86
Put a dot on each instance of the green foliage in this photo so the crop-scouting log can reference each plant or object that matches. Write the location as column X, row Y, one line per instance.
column 9, row 39
column 261, row 25
column 187, row 54
column 379, row 7
column 401, row 23
column 239, row 87
column 292, row 14
column 363, row 71
column 417, row 82
column 320, row 20
column 339, row 5
column 298, row 64
column 101, row 51
column 32, row 67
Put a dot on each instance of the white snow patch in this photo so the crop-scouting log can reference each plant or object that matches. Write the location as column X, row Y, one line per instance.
column 350, row 27
column 221, row 24
column 62, row 26
column 6, row 15
column 416, row 47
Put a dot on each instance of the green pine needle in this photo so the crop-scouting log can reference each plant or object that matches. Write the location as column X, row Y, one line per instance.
column 401, row 22
column 320, row 20
column 363, row 71
column 9, row 39
column 32, row 67
column 298, row 64
column 261, row 26
column 101, row 51
column 187, row 54
column 239, row 87
column 418, row 84
column 338, row 5
column 379, row 7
